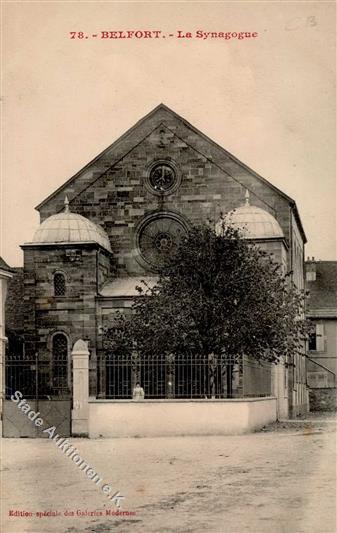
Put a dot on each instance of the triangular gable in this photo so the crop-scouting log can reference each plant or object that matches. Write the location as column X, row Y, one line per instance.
column 135, row 135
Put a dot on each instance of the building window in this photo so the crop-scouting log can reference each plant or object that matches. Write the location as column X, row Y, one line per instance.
column 59, row 284
column 310, row 275
column 59, row 364
column 162, row 177
column 312, row 342
column 316, row 339
column 158, row 238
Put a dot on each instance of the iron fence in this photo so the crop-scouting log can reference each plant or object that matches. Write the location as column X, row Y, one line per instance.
column 184, row 377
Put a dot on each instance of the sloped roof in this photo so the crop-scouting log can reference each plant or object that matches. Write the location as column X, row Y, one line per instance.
column 122, row 147
column 126, row 287
column 4, row 266
column 323, row 291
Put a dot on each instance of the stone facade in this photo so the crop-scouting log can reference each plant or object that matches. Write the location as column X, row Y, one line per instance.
column 86, row 268
column 321, row 283
column 114, row 192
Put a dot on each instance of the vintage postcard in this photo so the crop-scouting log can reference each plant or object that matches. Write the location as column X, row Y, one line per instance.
column 168, row 266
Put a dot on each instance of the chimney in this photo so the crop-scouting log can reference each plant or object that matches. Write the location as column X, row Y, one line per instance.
column 310, row 269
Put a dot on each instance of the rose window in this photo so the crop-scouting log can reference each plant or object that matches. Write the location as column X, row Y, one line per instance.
column 159, row 237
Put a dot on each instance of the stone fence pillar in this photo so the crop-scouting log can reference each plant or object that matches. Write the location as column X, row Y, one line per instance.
column 80, row 410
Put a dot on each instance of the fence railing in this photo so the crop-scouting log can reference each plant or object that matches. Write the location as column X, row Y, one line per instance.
column 184, row 377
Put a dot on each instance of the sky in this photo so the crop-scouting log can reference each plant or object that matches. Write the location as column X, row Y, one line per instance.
column 269, row 100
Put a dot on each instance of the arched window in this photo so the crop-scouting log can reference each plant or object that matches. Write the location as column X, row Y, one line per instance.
column 59, row 363
column 59, row 284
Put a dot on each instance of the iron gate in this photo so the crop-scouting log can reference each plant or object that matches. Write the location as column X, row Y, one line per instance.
column 46, row 387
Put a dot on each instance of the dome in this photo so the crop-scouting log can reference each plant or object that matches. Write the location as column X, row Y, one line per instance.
column 67, row 227
column 254, row 222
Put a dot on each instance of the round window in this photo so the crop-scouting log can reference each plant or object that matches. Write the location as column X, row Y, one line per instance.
column 159, row 237
column 162, row 177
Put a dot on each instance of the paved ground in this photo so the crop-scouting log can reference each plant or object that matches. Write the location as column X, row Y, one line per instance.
column 281, row 480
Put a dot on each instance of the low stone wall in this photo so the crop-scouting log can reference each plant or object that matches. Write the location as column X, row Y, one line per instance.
column 159, row 418
column 323, row 399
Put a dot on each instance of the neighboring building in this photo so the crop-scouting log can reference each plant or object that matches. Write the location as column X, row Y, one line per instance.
column 15, row 313
column 321, row 283
column 106, row 229
column 6, row 274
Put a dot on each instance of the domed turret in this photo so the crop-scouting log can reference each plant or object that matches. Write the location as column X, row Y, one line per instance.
column 253, row 222
column 67, row 227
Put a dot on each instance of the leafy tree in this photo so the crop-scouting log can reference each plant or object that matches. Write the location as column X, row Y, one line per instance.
column 216, row 295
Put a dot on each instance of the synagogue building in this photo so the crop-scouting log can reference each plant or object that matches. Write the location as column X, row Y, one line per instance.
column 107, row 229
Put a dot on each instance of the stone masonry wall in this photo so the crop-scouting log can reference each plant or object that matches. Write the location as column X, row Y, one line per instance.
column 114, row 195
column 75, row 313
column 112, row 191
column 14, row 302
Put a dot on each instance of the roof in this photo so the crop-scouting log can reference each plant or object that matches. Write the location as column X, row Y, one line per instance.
column 254, row 222
column 4, row 266
column 126, row 286
column 67, row 227
column 125, row 137
column 322, row 291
